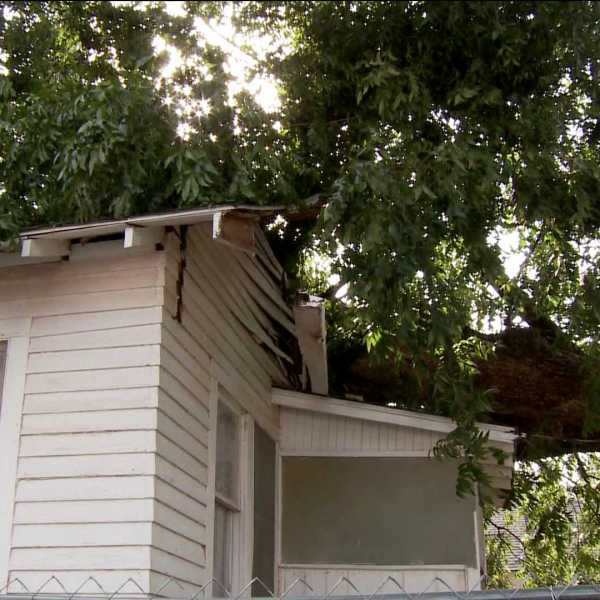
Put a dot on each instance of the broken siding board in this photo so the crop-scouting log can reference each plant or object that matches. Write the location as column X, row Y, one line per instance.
column 265, row 252
column 221, row 327
column 241, row 309
column 262, row 280
column 259, row 285
column 210, row 341
column 272, row 283
column 237, row 336
column 264, row 300
column 209, row 336
column 237, row 274
column 223, row 281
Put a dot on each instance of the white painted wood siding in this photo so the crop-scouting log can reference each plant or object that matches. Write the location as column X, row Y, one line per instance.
column 87, row 451
column 222, row 340
column 113, row 444
column 307, row 433
column 369, row 579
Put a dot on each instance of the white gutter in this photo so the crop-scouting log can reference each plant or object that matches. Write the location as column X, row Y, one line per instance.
column 173, row 218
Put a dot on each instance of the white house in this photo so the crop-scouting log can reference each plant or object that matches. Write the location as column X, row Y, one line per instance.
column 155, row 424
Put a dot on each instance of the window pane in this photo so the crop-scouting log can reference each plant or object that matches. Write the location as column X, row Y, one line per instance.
column 228, row 453
column 3, row 346
column 223, row 548
column 264, row 511
column 379, row 511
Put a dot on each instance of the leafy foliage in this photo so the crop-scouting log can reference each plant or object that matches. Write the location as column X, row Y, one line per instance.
column 438, row 128
column 433, row 129
column 89, row 123
column 559, row 500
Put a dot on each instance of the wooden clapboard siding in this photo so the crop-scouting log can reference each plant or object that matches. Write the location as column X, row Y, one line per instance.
column 79, row 511
column 306, row 432
column 92, row 400
column 88, row 451
column 113, row 458
column 230, row 313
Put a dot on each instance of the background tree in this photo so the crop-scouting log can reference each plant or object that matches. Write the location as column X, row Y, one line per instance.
column 432, row 131
column 558, row 501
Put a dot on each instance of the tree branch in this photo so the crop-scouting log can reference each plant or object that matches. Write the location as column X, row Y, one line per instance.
column 511, row 533
column 487, row 337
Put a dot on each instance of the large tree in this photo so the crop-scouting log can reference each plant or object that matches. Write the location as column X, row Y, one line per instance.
column 431, row 131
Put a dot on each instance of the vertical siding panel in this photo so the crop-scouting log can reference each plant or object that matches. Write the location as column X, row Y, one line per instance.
column 314, row 432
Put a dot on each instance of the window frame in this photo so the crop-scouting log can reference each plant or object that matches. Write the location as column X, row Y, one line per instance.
column 229, row 502
column 241, row 511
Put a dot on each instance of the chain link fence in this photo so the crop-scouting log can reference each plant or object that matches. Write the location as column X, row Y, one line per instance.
column 388, row 589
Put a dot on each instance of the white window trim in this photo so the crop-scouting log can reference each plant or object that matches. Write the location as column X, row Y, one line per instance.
column 16, row 332
column 245, row 542
column 243, row 518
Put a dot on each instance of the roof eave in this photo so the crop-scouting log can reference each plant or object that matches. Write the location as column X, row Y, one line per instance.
column 382, row 414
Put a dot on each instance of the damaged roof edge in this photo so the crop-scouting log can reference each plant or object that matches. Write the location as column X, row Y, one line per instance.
column 178, row 217
column 173, row 217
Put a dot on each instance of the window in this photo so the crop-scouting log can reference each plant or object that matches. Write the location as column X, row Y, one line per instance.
column 3, row 347
column 228, row 455
column 378, row 511
column 227, row 496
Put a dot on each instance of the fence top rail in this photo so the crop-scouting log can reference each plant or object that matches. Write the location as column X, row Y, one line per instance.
column 569, row 592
